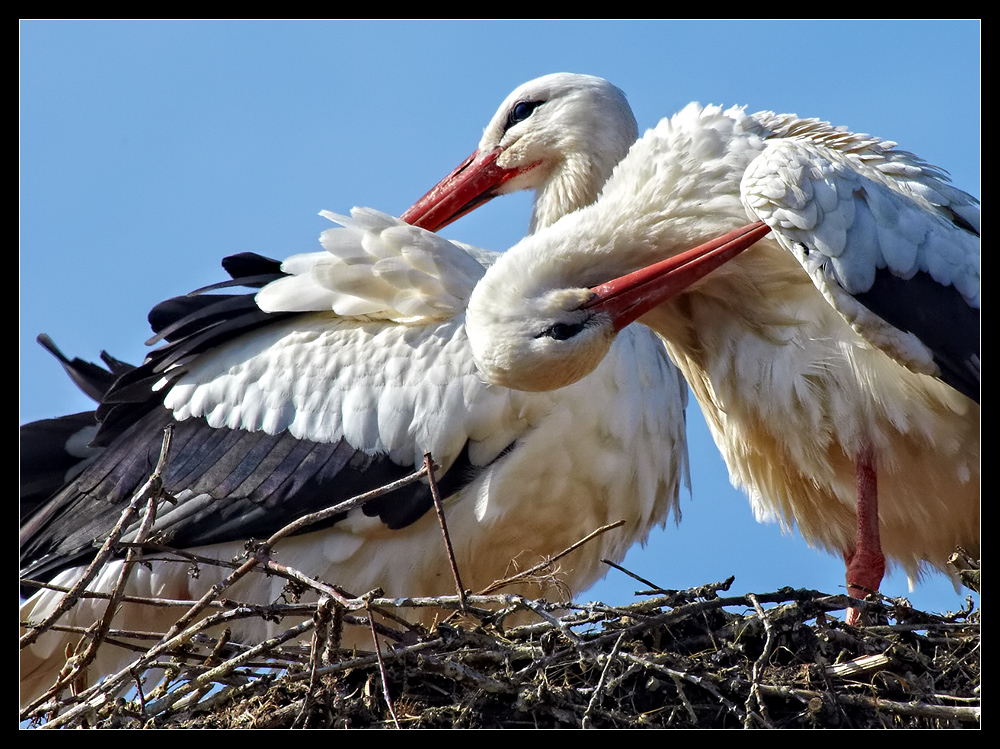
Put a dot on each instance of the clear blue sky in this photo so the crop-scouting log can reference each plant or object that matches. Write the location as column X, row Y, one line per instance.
column 150, row 150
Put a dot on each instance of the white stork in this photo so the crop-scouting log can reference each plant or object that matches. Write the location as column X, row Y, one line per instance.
column 805, row 409
column 344, row 369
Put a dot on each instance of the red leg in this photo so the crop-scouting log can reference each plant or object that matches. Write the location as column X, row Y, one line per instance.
column 866, row 564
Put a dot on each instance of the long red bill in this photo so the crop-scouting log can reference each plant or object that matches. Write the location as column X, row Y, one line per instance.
column 628, row 298
column 471, row 184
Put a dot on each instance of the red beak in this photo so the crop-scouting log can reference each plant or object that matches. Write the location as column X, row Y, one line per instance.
column 471, row 184
column 628, row 298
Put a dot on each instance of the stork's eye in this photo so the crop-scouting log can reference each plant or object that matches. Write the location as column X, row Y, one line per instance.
column 562, row 331
column 521, row 111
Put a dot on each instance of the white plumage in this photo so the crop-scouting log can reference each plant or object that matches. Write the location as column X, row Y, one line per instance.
column 798, row 402
column 895, row 249
column 360, row 368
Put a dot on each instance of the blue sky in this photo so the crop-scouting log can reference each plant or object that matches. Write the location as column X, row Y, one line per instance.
column 150, row 150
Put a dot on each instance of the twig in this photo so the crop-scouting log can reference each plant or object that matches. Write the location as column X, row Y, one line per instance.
column 679, row 686
column 644, row 581
column 97, row 595
column 704, row 682
column 227, row 667
column 177, row 633
column 460, row 672
column 549, row 561
column 316, row 652
column 345, row 506
column 152, row 488
column 293, row 527
column 915, row 709
column 539, row 608
column 599, row 689
column 100, row 630
column 758, row 667
column 150, row 493
column 439, row 509
column 343, row 600
column 381, row 669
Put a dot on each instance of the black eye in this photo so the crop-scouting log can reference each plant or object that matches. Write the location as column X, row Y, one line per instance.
column 521, row 111
column 562, row 331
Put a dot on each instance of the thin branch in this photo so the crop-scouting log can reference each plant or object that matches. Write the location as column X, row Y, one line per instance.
column 599, row 689
column 150, row 493
column 228, row 667
column 758, row 667
column 439, row 509
column 548, row 562
column 178, row 633
column 317, row 651
column 381, row 670
column 152, row 488
column 644, row 581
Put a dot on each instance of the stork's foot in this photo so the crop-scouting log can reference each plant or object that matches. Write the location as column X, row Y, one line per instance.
column 865, row 569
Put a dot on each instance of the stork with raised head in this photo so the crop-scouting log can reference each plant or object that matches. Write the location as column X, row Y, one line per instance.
column 560, row 135
column 806, row 410
column 337, row 376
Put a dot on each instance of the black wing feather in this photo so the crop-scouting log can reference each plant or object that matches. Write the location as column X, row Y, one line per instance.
column 939, row 316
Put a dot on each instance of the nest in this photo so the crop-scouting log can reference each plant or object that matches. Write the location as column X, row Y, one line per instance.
column 684, row 659
column 696, row 658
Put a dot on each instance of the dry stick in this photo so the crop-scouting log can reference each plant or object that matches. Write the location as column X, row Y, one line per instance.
column 173, row 699
column 271, row 566
column 915, row 709
column 152, row 487
column 150, row 492
column 281, row 570
column 176, row 635
column 99, row 631
column 758, row 667
column 104, row 691
column 439, row 509
column 316, row 653
column 214, row 659
column 825, row 603
column 234, row 695
column 586, row 723
column 679, row 686
column 644, row 581
column 246, row 610
column 336, row 636
column 171, row 674
column 190, row 693
column 293, row 527
column 962, row 713
column 678, row 614
column 361, row 662
column 538, row 608
column 457, row 671
column 910, row 709
column 549, row 561
column 113, row 635
column 381, row 669
column 443, row 601
column 98, row 595
column 344, row 601
column 704, row 682
column 828, row 603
